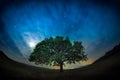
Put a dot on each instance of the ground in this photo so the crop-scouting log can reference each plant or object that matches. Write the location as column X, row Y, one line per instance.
column 108, row 67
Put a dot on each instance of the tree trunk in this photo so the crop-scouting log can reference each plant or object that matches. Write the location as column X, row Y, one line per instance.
column 61, row 67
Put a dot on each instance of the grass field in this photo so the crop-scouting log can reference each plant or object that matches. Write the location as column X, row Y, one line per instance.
column 105, row 68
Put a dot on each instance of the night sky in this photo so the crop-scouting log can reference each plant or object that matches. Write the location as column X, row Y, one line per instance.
column 24, row 23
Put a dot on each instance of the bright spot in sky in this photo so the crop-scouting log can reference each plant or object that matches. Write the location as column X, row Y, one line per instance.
column 32, row 44
column 31, row 39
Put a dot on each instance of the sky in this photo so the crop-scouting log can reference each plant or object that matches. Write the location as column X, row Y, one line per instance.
column 24, row 23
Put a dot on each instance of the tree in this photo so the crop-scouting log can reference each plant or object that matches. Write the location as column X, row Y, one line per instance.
column 56, row 51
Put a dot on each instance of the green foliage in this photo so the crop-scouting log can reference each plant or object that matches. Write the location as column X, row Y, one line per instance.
column 54, row 51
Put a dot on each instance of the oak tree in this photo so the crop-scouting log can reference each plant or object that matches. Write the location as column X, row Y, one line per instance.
column 57, row 51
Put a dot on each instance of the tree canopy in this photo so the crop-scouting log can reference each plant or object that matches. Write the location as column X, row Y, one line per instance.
column 56, row 51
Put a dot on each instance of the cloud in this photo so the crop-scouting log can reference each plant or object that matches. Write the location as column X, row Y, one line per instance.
column 97, row 26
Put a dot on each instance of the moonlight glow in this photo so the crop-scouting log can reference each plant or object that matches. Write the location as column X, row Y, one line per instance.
column 32, row 44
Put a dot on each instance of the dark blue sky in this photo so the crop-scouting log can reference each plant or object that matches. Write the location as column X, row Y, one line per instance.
column 24, row 23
